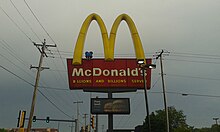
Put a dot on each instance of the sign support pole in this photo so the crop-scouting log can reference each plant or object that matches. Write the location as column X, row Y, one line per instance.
column 110, row 116
column 97, row 121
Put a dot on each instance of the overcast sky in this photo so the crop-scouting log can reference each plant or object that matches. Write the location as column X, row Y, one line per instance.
column 188, row 29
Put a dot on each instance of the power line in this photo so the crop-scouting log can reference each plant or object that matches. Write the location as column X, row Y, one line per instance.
column 12, row 52
column 194, row 61
column 194, row 94
column 37, row 19
column 38, row 90
column 22, row 62
column 54, row 104
column 16, row 65
column 25, row 20
column 197, row 57
column 154, row 84
column 16, row 75
column 15, row 24
column 29, row 24
column 196, row 54
column 195, row 77
column 177, row 54
column 44, row 30
column 186, row 94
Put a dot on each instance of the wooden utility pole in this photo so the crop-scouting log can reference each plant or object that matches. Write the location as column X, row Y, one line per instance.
column 43, row 46
column 164, row 90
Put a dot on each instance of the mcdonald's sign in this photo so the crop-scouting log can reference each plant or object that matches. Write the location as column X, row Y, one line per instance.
column 107, row 72
column 98, row 74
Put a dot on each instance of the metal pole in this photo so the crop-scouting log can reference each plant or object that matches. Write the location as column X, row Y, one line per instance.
column 77, row 117
column 164, row 93
column 76, row 129
column 216, row 120
column 77, row 107
column 97, row 121
column 35, row 87
column 90, row 96
column 110, row 116
column 72, row 125
column 146, row 99
column 85, row 119
column 58, row 126
column 102, row 128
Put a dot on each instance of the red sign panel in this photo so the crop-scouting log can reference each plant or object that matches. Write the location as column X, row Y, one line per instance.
column 99, row 74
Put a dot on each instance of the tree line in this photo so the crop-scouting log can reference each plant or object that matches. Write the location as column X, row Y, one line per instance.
column 177, row 122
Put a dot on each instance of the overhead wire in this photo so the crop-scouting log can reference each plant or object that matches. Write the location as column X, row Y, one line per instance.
column 194, row 57
column 154, row 84
column 15, row 65
column 195, row 54
column 38, row 90
column 204, row 56
column 23, row 62
column 185, row 94
column 194, row 61
column 35, row 16
column 44, row 30
column 57, row 95
column 171, row 92
column 27, row 23
column 193, row 94
column 197, row 57
column 195, row 77
column 134, row 97
column 180, row 60
column 12, row 52
column 16, row 24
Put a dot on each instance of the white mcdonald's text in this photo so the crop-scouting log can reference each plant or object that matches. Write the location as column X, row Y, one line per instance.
column 105, row 72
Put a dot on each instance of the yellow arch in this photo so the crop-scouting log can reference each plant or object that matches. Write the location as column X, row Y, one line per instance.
column 134, row 33
column 77, row 58
column 108, row 43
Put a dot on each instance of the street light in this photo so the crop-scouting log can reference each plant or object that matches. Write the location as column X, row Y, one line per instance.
column 216, row 120
column 143, row 67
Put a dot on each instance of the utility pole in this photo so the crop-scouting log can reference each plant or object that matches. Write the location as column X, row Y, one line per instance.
column 164, row 90
column 102, row 128
column 85, row 117
column 72, row 126
column 77, row 107
column 43, row 46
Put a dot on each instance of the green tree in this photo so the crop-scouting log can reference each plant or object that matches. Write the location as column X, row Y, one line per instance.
column 215, row 128
column 177, row 121
column 2, row 130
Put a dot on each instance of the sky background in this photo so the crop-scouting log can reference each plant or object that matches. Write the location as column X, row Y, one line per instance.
column 188, row 29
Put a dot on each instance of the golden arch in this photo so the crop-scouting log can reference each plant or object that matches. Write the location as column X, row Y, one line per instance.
column 108, row 42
